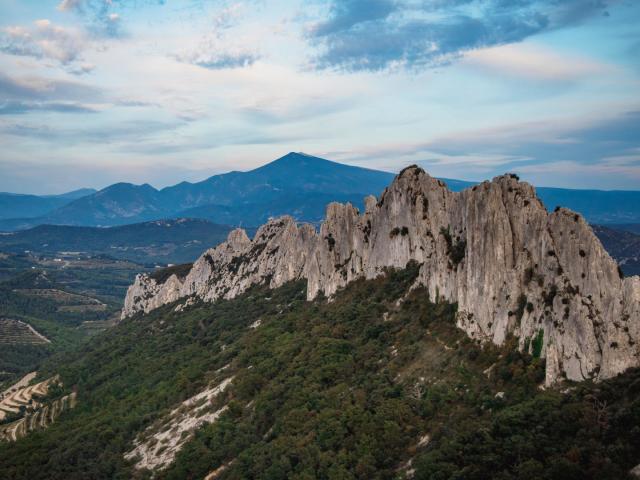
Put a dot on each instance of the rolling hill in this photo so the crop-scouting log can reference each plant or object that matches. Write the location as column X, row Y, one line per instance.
column 158, row 241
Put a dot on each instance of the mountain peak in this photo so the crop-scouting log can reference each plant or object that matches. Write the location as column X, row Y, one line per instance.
column 579, row 313
column 297, row 159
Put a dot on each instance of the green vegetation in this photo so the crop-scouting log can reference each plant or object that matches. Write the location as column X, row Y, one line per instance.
column 163, row 241
column 537, row 344
column 161, row 275
column 65, row 304
column 329, row 390
column 456, row 250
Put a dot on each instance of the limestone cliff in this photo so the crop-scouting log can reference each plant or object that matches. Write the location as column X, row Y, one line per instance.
column 511, row 266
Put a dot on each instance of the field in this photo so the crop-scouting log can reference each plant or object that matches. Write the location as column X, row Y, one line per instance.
column 24, row 408
column 15, row 332
column 49, row 306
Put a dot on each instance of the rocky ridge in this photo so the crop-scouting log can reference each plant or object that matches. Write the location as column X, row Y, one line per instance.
column 512, row 267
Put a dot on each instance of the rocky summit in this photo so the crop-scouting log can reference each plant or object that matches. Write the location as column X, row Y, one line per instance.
column 511, row 267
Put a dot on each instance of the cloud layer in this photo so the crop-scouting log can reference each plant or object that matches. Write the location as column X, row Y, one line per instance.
column 468, row 88
column 375, row 35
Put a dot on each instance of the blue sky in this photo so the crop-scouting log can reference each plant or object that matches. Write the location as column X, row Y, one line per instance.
column 98, row 91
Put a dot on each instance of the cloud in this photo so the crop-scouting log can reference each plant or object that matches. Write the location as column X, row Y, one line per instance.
column 219, row 48
column 123, row 131
column 68, row 5
column 216, row 58
column 104, row 17
column 43, row 40
column 535, row 63
column 402, row 34
column 348, row 13
column 18, row 107
column 598, row 152
column 43, row 89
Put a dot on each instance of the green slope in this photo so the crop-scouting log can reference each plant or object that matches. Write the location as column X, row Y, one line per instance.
column 330, row 390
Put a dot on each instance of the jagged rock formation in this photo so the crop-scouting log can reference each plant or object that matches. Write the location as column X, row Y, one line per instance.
column 494, row 249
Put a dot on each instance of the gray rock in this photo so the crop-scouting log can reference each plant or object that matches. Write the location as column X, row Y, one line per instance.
column 512, row 267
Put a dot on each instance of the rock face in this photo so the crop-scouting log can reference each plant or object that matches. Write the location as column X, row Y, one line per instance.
column 511, row 266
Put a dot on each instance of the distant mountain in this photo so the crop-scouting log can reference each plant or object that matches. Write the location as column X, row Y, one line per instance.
column 296, row 184
column 14, row 205
column 118, row 204
column 597, row 206
column 622, row 245
column 161, row 241
column 309, row 206
column 74, row 194
column 626, row 227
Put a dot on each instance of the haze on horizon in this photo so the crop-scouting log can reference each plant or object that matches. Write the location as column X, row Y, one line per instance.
column 93, row 92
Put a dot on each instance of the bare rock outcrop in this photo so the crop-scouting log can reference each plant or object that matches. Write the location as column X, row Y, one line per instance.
column 512, row 267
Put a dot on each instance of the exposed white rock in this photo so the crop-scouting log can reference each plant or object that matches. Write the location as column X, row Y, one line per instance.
column 157, row 447
column 511, row 266
column 424, row 441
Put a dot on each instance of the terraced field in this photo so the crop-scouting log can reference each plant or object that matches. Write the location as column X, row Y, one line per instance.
column 24, row 403
column 15, row 332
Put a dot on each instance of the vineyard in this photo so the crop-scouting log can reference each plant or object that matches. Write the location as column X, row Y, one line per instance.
column 23, row 407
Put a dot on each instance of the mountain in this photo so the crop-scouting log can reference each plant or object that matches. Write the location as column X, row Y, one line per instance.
column 159, row 241
column 245, row 196
column 117, row 204
column 597, row 206
column 296, row 184
column 309, row 207
column 74, row 194
column 437, row 334
column 378, row 383
column 511, row 267
column 626, row 227
column 622, row 245
column 13, row 205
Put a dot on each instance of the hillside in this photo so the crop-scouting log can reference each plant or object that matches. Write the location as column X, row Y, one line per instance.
column 361, row 387
column 511, row 267
column 622, row 245
column 47, row 307
column 14, row 205
column 166, row 241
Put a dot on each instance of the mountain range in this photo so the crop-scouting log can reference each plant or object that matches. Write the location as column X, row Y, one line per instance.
column 15, row 205
column 296, row 184
column 433, row 334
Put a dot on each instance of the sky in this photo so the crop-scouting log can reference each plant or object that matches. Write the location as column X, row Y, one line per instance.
column 94, row 92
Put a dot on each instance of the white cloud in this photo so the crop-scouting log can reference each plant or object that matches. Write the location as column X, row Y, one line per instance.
column 43, row 40
column 534, row 62
column 223, row 47
column 67, row 5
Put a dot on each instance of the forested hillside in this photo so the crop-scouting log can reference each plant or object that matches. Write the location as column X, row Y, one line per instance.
column 376, row 384
column 48, row 306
